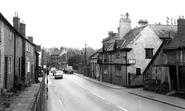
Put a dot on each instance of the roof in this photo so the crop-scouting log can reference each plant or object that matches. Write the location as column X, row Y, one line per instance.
column 56, row 52
column 155, row 55
column 131, row 35
column 176, row 43
column 164, row 31
column 7, row 23
column 95, row 54
column 106, row 45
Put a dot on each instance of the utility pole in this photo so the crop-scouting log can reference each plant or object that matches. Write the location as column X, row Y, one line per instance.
column 85, row 64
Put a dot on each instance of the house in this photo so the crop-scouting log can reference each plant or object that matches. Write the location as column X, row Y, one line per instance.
column 165, row 73
column 94, row 66
column 55, row 58
column 25, row 56
column 126, row 54
column 59, row 58
column 175, row 52
column 13, row 54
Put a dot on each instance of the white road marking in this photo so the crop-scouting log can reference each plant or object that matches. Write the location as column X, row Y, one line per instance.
column 99, row 96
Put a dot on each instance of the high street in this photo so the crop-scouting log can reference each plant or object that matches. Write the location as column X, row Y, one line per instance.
column 74, row 93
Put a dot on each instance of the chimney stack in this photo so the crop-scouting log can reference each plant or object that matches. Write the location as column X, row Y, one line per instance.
column 23, row 29
column 30, row 38
column 16, row 22
column 142, row 22
column 124, row 25
column 181, row 26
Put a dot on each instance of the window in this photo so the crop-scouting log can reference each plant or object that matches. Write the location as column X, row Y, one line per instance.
column 10, row 35
column 10, row 64
column 117, row 54
column 118, row 71
column 138, row 71
column 105, row 69
column 149, row 53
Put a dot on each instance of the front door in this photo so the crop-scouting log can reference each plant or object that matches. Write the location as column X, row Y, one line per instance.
column 173, row 77
column 182, row 78
column 6, row 72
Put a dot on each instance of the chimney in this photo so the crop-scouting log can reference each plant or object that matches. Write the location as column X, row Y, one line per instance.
column 23, row 29
column 142, row 22
column 30, row 39
column 124, row 25
column 181, row 26
column 16, row 22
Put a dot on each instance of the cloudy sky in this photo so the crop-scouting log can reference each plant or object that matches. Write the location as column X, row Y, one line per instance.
column 72, row 23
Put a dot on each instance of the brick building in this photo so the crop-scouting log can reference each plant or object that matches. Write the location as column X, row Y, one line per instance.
column 18, row 54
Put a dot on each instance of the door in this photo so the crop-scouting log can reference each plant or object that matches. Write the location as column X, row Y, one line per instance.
column 6, row 72
column 173, row 77
column 182, row 78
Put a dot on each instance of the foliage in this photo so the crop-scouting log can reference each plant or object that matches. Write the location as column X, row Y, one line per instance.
column 156, row 86
column 74, row 60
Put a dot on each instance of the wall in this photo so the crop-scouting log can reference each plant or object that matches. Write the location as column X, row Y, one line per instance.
column 18, row 61
column 146, row 39
column 7, row 48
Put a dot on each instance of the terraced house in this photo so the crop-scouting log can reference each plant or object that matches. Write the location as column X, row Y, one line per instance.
column 18, row 54
column 126, row 54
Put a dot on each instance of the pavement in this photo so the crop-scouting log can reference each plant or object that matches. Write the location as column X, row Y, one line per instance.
column 165, row 99
column 20, row 101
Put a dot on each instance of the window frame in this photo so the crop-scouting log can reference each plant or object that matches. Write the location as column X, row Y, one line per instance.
column 149, row 53
column 116, row 71
column 10, row 64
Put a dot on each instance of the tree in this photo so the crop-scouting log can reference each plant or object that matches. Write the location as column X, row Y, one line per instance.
column 74, row 60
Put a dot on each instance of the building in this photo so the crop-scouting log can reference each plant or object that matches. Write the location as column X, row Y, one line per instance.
column 59, row 58
column 165, row 73
column 18, row 54
column 94, row 66
column 126, row 54
column 175, row 52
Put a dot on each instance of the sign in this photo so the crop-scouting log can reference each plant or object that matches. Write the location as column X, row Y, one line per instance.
column 131, row 61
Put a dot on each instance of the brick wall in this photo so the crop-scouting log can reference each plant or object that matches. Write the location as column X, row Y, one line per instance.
column 7, row 50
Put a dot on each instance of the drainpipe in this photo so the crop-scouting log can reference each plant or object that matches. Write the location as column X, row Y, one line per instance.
column 126, row 68
column 14, row 58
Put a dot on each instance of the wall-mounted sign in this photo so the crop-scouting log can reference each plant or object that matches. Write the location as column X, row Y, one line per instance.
column 131, row 61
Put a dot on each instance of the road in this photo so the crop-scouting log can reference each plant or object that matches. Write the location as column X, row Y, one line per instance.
column 74, row 93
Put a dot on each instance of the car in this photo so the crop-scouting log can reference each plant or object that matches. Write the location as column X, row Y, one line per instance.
column 68, row 70
column 58, row 74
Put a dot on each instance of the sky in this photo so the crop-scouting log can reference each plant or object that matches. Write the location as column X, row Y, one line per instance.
column 74, row 23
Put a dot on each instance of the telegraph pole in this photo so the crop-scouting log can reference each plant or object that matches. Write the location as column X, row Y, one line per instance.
column 85, row 64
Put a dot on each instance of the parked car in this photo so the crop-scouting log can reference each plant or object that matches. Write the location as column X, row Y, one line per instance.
column 68, row 70
column 58, row 74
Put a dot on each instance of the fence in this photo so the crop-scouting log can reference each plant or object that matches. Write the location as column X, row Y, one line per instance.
column 39, row 101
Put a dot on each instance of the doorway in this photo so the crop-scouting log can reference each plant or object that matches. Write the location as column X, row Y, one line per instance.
column 6, row 72
column 173, row 77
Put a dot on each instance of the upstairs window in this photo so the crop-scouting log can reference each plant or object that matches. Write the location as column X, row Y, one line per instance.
column 149, row 53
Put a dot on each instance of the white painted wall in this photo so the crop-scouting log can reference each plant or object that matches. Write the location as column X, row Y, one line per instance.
column 146, row 39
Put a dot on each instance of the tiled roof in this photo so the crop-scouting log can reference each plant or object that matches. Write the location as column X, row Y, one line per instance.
column 164, row 31
column 106, row 45
column 57, row 52
column 176, row 42
column 131, row 35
